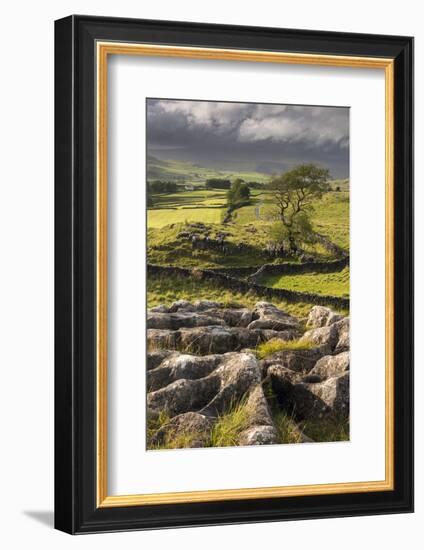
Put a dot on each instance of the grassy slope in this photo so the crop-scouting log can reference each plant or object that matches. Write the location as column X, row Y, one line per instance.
column 166, row 248
column 167, row 219
column 329, row 284
column 249, row 228
column 330, row 215
column 196, row 175
column 159, row 219
column 187, row 206
column 331, row 218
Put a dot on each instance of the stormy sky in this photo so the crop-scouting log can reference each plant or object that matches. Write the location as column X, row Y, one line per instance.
column 249, row 136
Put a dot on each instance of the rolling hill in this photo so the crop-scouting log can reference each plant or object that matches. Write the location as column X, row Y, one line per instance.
column 186, row 172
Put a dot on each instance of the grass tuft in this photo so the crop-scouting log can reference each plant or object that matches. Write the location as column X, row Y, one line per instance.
column 224, row 433
column 327, row 429
column 287, row 429
column 154, row 424
column 228, row 427
column 276, row 344
column 172, row 440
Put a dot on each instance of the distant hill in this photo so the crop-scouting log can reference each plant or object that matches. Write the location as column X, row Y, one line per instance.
column 181, row 171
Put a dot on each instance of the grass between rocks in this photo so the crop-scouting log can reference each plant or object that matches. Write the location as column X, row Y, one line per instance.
column 327, row 429
column 168, row 289
column 224, row 433
column 172, row 440
column 287, row 429
column 276, row 344
column 227, row 429
column 154, row 424
column 323, row 430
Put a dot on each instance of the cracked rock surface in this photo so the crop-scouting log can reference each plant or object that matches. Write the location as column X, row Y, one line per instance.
column 206, row 385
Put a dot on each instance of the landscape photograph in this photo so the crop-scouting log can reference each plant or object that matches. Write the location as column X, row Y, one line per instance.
column 247, row 274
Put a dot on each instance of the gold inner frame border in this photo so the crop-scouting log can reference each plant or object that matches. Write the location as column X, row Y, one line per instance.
column 103, row 50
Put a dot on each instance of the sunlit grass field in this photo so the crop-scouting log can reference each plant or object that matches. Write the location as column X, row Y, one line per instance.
column 330, row 215
column 246, row 237
column 328, row 284
column 159, row 219
column 166, row 248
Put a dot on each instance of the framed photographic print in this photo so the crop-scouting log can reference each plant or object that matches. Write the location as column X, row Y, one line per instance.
column 233, row 274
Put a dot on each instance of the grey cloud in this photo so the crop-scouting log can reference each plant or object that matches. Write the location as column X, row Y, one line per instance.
column 231, row 134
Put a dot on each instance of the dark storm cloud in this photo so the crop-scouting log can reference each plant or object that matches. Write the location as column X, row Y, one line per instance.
column 266, row 138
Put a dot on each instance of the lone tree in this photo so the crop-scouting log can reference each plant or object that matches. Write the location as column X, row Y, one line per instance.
column 238, row 194
column 294, row 193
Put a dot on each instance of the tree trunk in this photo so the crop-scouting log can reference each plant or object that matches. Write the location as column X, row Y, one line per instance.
column 292, row 243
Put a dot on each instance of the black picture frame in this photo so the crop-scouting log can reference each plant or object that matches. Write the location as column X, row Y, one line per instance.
column 76, row 510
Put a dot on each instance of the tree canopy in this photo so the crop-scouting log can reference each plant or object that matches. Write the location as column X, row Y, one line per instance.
column 217, row 183
column 159, row 186
column 294, row 192
column 239, row 193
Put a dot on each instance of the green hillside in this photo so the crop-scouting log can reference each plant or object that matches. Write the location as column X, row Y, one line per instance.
column 193, row 174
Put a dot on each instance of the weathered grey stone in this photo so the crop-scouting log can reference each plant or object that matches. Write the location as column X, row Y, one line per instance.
column 331, row 365
column 184, row 395
column 194, row 390
column 155, row 358
column 330, row 396
column 158, row 339
column 180, row 319
column 188, row 430
column 213, row 394
column 259, row 435
column 257, row 406
column 283, row 380
column 321, row 316
column 296, row 360
column 238, row 375
column 250, row 338
column 179, row 366
column 203, row 305
column 181, row 305
column 161, row 308
column 325, row 338
column 212, row 339
column 310, row 400
column 268, row 316
column 238, row 317
column 343, row 334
